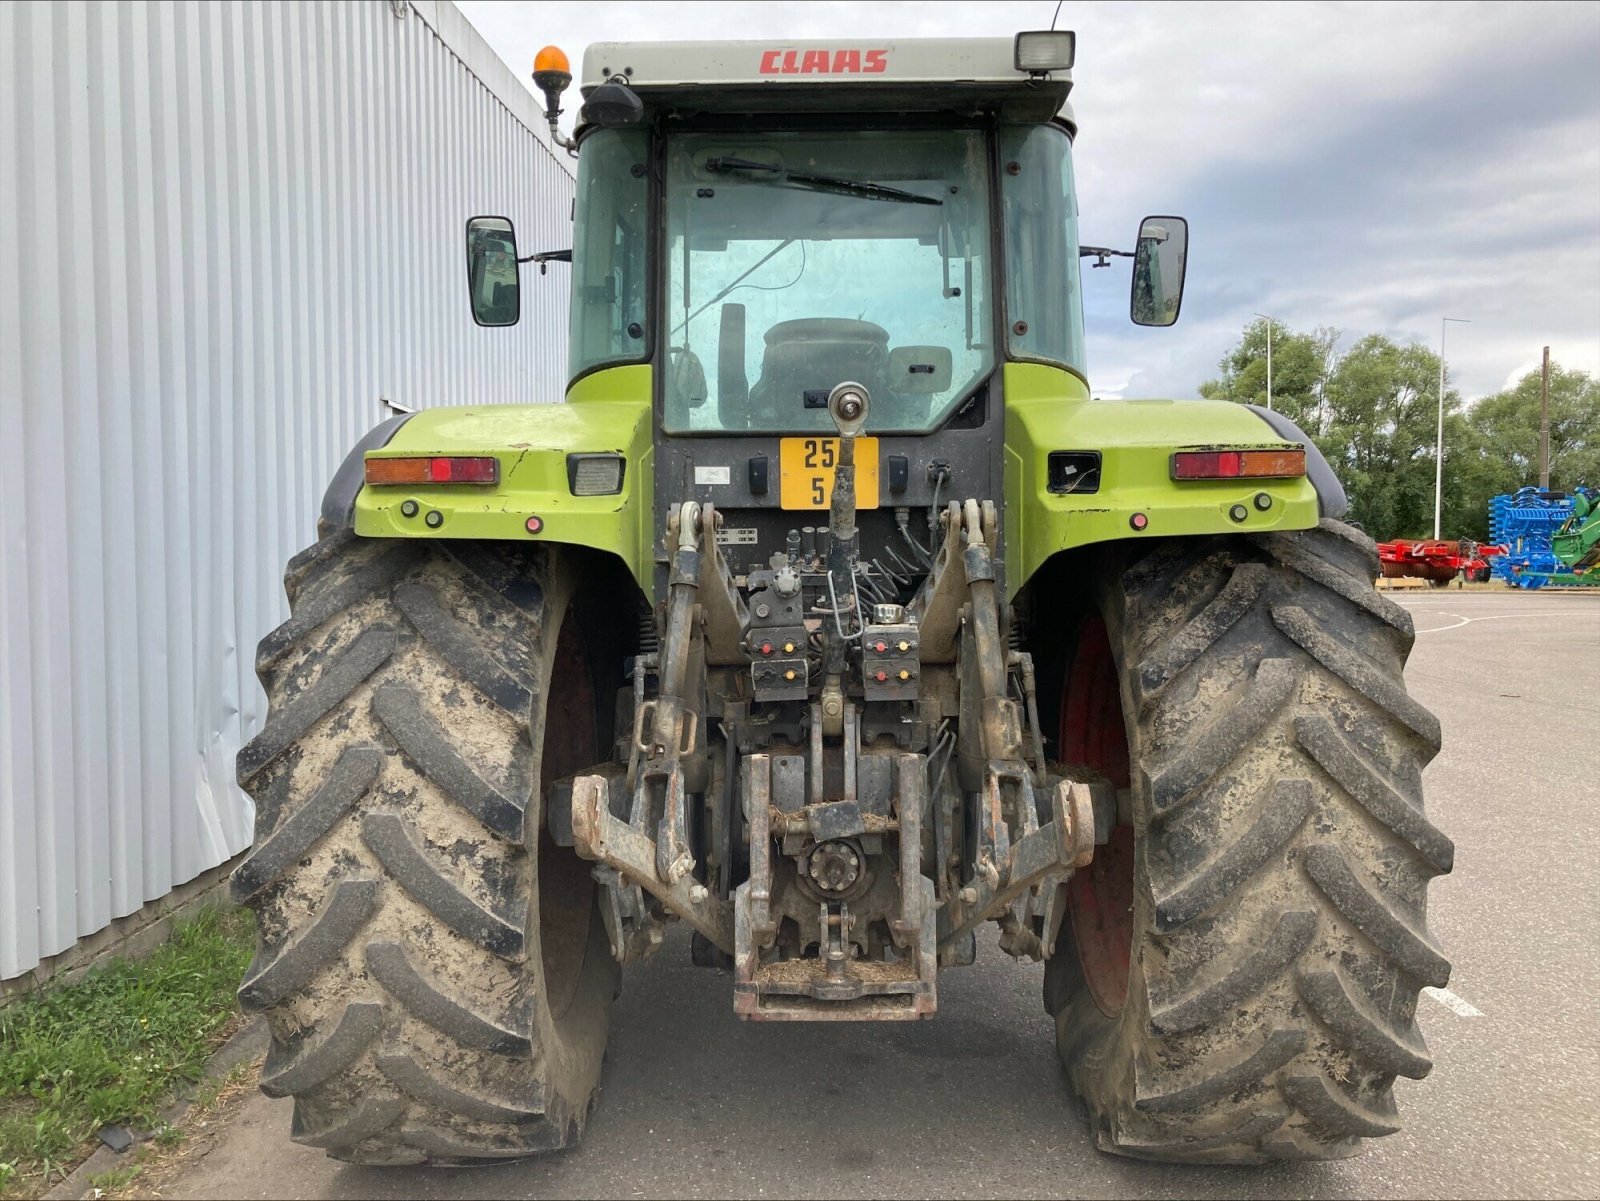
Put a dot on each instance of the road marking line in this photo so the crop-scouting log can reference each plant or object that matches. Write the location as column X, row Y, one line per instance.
column 1494, row 617
column 1450, row 1001
column 1461, row 621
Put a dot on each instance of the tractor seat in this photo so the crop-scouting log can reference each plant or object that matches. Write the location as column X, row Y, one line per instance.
column 813, row 354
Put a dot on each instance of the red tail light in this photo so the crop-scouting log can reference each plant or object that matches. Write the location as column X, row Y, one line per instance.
column 1238, row 464
column 434, row 469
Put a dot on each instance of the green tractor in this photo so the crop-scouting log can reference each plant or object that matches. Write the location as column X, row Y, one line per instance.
column 833, row 618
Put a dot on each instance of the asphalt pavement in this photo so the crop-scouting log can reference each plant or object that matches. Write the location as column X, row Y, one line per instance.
column 973, row 1104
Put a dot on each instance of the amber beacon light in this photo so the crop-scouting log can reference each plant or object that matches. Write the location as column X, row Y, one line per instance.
column 552, row 74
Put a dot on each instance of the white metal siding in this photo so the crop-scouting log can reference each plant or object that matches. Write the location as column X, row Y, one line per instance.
column 226, row 230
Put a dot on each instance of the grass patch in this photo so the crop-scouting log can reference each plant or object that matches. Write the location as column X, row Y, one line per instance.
column 115, row 1179
column 113, row 1046
column 169, row 1136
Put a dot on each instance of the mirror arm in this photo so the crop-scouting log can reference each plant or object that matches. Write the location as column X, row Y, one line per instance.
column 1102, row 255
column 548, row 256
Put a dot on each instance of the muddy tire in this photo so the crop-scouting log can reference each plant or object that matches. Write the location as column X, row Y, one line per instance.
column 1238, row 978
column 433, row 969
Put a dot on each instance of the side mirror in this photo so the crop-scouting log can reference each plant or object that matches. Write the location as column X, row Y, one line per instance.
column 1159, row 260
column 493, row 280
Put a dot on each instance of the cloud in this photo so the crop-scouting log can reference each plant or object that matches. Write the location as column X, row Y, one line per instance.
column 1371, row 167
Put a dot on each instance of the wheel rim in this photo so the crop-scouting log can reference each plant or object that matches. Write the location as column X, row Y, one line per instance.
column 566, row 889
column 1094, row 734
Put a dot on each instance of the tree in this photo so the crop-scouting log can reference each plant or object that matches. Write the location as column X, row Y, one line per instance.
column 1509, row 424
column 1499, row 450
column 1300, row 366
column 1496, row 448
column 1473, row 472
column 1383, row 403
column 1372, row 411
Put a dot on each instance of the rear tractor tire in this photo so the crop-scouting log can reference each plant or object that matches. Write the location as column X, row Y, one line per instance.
column 1238, row 978
column 433, row 969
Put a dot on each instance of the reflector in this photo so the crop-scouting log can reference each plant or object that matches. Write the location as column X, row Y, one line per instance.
column 1238, row 464
column 433, row 469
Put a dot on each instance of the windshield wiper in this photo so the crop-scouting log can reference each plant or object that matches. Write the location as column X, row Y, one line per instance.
column 849, row 187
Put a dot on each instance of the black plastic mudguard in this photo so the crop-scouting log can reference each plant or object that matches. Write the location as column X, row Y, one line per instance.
column 339, row 501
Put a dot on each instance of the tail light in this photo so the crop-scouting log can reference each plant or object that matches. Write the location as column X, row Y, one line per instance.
column 1239, row 464
column 434, row 469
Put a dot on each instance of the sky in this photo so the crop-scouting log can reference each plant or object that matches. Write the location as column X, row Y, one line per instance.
column 1370, row 167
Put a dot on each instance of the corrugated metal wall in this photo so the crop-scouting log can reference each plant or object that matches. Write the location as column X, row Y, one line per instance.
column 226, row 230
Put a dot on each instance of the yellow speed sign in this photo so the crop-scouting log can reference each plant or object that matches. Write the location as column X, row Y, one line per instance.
column 806, row 467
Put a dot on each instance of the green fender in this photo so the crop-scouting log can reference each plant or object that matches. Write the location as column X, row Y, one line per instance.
column 1050, row 409
column 1046, row 409
column 608, row 411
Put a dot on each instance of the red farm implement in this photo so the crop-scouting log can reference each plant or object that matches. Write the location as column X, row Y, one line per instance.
column 1435, row 560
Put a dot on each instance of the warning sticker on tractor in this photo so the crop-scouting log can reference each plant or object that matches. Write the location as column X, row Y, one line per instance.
column 712, row 475
column 745, row 536
column 806, row 472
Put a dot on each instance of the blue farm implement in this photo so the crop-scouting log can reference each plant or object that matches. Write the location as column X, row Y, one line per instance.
column 1550, row 537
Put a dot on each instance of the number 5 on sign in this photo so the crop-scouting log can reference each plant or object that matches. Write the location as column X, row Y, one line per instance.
column 806, row 467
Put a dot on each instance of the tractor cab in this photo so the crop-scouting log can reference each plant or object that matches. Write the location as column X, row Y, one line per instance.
column 791, row 183
column 760, row 222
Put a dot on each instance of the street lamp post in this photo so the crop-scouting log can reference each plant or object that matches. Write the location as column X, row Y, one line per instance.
column 1268, row 320
column 1438, row 446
